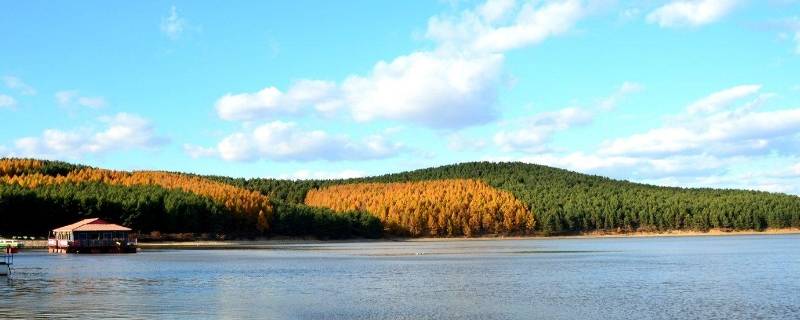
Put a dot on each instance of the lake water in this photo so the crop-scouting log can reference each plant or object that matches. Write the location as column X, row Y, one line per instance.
column 731, row 277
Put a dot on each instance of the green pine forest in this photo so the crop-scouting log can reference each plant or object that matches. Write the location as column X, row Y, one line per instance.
column 559, row 202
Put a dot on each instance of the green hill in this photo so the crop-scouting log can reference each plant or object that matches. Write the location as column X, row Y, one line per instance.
column 560, row 201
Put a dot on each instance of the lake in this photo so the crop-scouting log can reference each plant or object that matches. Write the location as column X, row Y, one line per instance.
column 721, row 277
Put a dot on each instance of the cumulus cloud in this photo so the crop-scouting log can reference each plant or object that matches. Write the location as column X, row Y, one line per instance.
column 287, row 141
column 173, row 25
column 437, row 89
column 67, row 98
column 122, row 131
column 453, row 85
column 680, row 13
column 270, row 101
column 712, row 126
column 20, row 86
column 7, row 101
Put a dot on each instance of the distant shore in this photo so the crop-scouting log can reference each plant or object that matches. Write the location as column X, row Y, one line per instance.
column 272, row 243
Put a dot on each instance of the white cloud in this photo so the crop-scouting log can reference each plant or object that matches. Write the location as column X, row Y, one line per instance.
column 722, row 99
column 493, row 10
column 172, row 26
column 92, row 102
column 198, row 152
column 311, row 174
column 122, row 131
column 627, row 88
column 716, row 131
column 538, row 129
column 481, row 31
column 270, row 101
column 286, row 141
column 7, row 101
column 66, row 98
column 437, row 89
column 453, row 85
column 678, row 13
column 533, row 133
column 630, row 13
column 15, row 83
column 721, row 132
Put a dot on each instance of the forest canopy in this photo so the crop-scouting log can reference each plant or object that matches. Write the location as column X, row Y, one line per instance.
column 467, row 199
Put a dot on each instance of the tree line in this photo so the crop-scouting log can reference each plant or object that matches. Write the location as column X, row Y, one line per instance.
column 560, row 201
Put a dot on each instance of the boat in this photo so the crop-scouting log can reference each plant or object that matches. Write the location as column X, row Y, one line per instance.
column 9, row 246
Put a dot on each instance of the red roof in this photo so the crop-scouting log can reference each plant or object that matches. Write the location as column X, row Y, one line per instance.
column 93, row 224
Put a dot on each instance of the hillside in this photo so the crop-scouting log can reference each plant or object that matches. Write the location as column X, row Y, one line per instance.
column 467, row 199
column 563, row 201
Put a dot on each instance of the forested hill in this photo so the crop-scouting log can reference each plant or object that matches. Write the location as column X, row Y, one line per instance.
column 565, row 201
column 467, row 199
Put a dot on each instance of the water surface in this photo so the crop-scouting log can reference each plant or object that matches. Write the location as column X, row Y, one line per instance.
column 726, row 277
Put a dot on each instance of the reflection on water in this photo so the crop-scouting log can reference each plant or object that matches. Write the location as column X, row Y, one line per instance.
column 741, row 277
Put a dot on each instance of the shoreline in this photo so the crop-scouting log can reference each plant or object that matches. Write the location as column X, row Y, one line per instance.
column 273, row 243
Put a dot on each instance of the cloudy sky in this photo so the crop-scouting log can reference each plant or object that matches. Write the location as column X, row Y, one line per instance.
column 691, row 93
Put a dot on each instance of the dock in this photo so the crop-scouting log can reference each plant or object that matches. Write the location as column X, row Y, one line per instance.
column 6, row 263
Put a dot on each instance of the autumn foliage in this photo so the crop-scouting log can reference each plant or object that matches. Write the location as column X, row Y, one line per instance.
column 250, row 205
column 13, row 167
column 456, row 207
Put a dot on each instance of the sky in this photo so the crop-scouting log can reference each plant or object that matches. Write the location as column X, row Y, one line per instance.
column 702, row 93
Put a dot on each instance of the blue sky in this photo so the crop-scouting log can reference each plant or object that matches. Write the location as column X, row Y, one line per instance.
column 692, row 93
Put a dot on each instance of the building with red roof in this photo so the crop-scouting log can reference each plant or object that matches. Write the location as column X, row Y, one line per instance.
column 93, row 235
